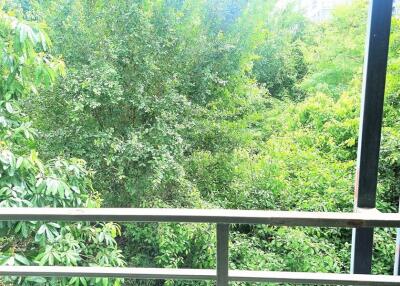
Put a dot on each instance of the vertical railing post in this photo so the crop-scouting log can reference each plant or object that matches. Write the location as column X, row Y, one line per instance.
column 222, row 254
column 375, row 64
column 396, row 270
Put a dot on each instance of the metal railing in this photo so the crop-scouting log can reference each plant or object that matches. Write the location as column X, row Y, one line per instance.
column 222, row 218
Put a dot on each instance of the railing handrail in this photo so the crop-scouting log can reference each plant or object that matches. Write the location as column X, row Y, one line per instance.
column 222, row 218
column 370, row 218
column 201, row 274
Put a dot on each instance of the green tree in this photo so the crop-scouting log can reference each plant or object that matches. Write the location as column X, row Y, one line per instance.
column 334, row 49
column 26, row 181
column 281, row 64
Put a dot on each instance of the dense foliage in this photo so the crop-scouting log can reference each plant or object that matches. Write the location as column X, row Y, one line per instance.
column 26, row 181
column 179, row 103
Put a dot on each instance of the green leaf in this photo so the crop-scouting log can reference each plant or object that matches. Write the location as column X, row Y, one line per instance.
column 42, row 229
column 9, row 107
column 23, row 260
column 101, row 236
column 38, row 280
column 83, row 281
column 20, row 160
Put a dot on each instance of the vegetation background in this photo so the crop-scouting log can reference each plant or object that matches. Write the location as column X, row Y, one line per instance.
column 185, row 103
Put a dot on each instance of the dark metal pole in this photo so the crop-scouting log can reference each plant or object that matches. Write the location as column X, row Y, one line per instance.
column 222, row 254
column 375, row 63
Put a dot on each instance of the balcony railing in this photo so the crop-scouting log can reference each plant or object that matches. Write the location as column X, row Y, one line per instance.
column 363, row 218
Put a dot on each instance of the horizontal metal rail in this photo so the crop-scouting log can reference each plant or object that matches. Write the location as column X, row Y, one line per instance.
column 313, row 278
column 109, row 272
column 362, row 218
column 371, row 218
column 200, row 274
